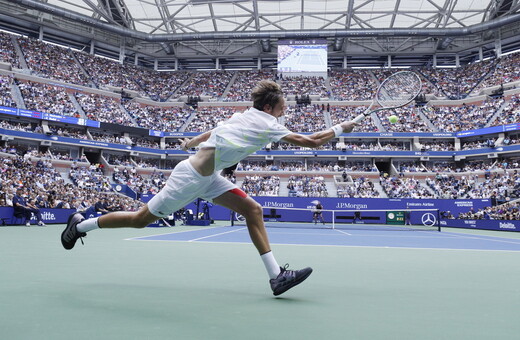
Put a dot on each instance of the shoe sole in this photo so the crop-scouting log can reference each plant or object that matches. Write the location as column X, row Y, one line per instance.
column 63, row 233
column 295, row 283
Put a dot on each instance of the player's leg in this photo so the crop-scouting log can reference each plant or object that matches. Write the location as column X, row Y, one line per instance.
column 281, row 279
column 127, row 219
column 182, row 186
column 244, row 205
column 78, row 226
column 119, row 219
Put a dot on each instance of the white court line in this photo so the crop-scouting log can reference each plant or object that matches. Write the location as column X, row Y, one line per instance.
column 446, row 234
column 343, row 232
column 349, row 246
column 172, row 232
column 209, row 236
column 485, row 238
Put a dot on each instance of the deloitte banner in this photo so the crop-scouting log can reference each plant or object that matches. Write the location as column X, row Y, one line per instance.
column 49, row 216
column 503, row 225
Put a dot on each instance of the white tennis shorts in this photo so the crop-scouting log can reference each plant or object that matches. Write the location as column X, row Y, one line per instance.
column 185, row 185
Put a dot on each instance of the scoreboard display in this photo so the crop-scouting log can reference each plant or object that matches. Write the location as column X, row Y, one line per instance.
column 395, row 217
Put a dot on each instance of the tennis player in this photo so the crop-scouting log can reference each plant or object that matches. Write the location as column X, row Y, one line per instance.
column 317, row 213
column 198, row 177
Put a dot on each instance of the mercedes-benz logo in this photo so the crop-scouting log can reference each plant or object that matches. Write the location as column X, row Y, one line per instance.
column 428, row 219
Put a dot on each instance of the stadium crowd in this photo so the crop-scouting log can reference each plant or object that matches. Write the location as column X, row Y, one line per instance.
column 360, row 188
column 84, row 69
column 6, row 124
column 257, row 185
column 409, row 120
column 501, row 186
column 305, row 118
column 437, row 146
column 140, row 184
column 300, row 85
column 339, row 114
column 240, row 90
column 506, row 211
column 510, row 113
column 156, row 117
column 401, row 187
column 7, row 50
column 47, row 98
column 249, row 165
column 458, row 83
column 104, row 72
column 352, row 85
column 103, row 109
column 206, row 83
column 307, row 186
column 90, row 177
column 43, row 185
column 54, row 62
column 506, row 71
column 108, row 137
column 207, row 118
column 6, row 98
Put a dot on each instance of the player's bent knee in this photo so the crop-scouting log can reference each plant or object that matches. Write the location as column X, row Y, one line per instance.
column 142, row 218
column 253, row 210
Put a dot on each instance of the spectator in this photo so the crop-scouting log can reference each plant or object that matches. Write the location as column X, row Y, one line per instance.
column 26, row 209
column 101, row 206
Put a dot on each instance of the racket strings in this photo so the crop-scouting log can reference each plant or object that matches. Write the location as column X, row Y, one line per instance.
column 398, row 90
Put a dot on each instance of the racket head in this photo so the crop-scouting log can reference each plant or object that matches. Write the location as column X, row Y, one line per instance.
column 398, row 90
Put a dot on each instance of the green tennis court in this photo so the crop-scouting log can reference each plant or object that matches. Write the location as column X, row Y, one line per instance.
column 114, row 288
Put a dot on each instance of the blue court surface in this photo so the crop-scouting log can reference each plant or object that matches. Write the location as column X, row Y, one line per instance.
column 450, row 240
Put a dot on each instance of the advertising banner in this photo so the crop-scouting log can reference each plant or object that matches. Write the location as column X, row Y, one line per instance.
column 49, row 216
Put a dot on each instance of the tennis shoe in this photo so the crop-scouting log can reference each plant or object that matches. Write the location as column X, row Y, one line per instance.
column 288, row 279
column 70, row 235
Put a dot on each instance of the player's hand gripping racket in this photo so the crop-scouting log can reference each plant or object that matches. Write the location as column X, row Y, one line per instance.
column 395, row 91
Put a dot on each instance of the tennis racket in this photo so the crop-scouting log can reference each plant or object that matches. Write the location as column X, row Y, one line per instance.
column 395, row 91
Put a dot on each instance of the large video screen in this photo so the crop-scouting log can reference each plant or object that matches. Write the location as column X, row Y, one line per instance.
column 302, row 56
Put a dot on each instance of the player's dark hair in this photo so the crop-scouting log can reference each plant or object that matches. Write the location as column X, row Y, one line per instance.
column 266, row 92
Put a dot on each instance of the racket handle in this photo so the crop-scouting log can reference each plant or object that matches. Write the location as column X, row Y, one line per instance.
column 359, row 118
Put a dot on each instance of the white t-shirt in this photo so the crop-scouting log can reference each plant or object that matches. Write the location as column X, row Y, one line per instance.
column 243, row 134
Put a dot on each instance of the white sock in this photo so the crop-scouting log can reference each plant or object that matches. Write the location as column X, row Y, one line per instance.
column 88, row 225
column 273, row 269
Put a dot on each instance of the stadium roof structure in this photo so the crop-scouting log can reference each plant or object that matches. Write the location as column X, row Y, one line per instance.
column 244, row 34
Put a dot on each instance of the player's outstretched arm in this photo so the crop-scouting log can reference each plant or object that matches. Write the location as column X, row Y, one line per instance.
column 188, row 143
column 319, row 138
